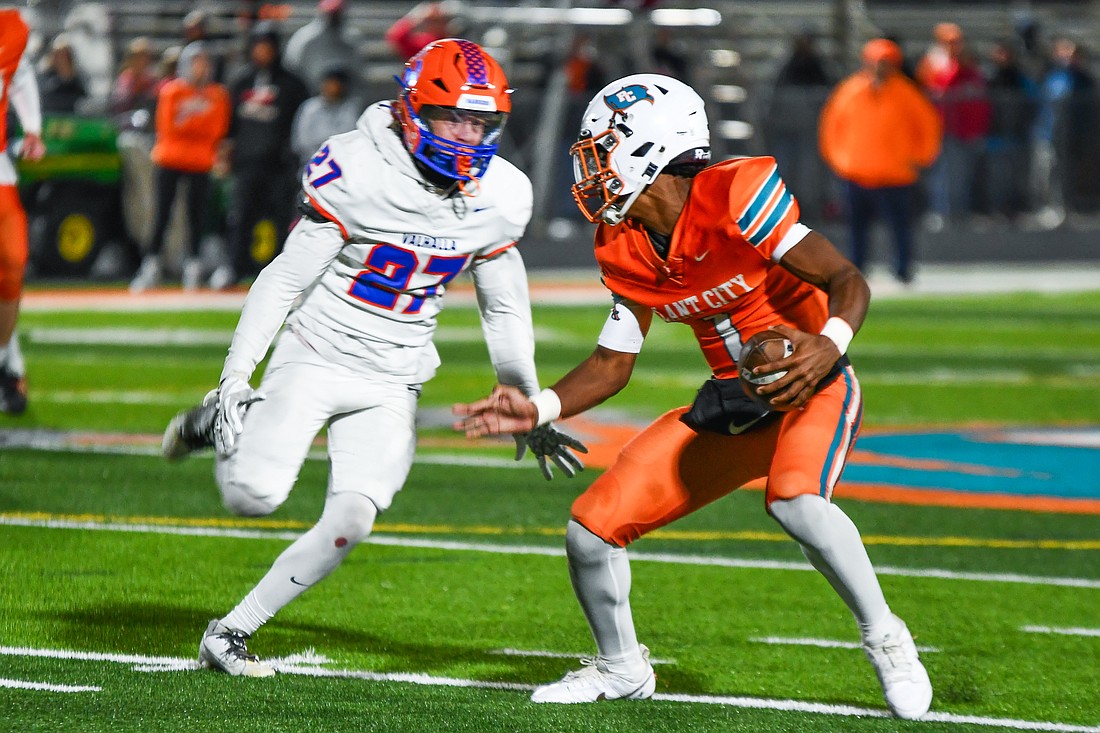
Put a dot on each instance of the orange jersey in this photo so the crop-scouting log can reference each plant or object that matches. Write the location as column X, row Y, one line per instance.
column 722, row 274
column 13, row 41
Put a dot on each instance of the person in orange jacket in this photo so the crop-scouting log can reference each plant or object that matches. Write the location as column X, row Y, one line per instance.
column 877, row 132
column 192, row 119
column 19, row 90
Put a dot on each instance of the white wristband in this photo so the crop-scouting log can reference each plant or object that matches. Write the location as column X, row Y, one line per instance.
column 839, row 332
column 548, row 405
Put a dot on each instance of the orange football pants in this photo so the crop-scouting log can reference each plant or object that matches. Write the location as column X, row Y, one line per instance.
column 669, row 470
column 13, row 243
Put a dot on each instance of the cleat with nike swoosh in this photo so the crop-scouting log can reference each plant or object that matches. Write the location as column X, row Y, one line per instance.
column 224, row 649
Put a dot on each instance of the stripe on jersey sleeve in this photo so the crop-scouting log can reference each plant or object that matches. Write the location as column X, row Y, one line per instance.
column 767, row 210
column 495, row 252
column 327, row 214
column 756, row 205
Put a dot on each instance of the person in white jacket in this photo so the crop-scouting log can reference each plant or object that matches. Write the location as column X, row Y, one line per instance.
column 392, row 211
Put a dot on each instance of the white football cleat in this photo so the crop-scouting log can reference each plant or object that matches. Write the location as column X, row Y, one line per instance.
column 594, row 682
column 224, row 649
column 905, row 683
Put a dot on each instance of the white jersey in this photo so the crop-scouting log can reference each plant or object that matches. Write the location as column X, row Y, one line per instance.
column 378, row 269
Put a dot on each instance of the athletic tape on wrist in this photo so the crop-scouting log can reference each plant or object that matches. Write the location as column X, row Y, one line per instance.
column 548, row 405
column 839, row 332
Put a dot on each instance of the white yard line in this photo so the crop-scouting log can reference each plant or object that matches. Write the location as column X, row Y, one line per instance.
column 157, row 664
column 1061, row 630
column 509, row 652
column 46, row 686
column 823, row 643
column 507, row 549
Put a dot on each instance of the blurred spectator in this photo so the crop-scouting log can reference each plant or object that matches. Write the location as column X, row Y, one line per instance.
column 196, row 27
column 263, row 167
column 60, row 84
column 329, row 113
column 167, row 66
column 878, row 131
column 584, row 76
column 325, row 41
column 20, row 91
column 1013, row 97
column 953, row 80
column 427, row 22
column 790, row 123
column 135, row 88
column 191, row 121
column 1064, row 134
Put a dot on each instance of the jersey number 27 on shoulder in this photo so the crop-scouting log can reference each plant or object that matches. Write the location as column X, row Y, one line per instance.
column 330, row 173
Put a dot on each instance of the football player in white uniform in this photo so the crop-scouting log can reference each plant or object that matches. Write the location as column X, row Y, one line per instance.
column 391, row 213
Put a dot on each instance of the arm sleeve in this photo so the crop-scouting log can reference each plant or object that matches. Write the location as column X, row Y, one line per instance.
column 621, row 331
column 24, row 97
column 309, row 249
column 502, row 298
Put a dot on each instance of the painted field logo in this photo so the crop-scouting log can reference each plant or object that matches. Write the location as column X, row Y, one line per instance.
column 627, row 97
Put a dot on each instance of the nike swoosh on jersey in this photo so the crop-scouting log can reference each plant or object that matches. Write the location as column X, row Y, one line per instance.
column 699, row 258
column 295, row 581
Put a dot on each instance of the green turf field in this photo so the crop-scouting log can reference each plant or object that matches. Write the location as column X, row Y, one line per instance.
column 113, row 561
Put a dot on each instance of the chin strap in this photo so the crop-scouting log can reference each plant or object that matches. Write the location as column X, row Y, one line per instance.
column 469, row 186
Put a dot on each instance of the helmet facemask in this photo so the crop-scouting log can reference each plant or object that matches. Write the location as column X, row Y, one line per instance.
column 461, row 161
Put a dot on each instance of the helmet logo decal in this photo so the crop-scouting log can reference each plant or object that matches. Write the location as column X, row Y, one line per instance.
column 627, row 97
column 477, row 73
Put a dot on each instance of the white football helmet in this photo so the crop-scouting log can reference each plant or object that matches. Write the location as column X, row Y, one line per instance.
column 632, row 129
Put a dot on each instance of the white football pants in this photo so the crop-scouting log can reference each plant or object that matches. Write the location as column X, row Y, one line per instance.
column 371, row 432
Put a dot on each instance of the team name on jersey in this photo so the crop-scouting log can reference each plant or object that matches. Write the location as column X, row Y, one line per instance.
column 423, row 240
column 715, row 298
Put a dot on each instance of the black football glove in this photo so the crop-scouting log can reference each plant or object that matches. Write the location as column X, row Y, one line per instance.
column 547, row 443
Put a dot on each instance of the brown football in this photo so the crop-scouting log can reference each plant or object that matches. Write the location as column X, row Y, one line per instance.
column 763, row 348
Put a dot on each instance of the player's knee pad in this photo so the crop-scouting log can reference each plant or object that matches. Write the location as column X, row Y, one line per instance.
column 808, row 518
column 348, row 518
column 583, row 546
column 256, row 494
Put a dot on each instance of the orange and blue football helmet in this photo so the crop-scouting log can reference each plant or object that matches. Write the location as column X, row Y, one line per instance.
column 452, row 79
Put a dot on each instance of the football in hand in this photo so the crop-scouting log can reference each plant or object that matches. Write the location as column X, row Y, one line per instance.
column 763, row 348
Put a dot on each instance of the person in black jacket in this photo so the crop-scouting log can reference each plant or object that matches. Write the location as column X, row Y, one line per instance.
column 262, row 166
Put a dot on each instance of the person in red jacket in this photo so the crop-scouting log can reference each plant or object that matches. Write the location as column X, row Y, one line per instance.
column 191, row 121
column 950, row 75
column 425, row 23
column 17, row 87
column 877, row 132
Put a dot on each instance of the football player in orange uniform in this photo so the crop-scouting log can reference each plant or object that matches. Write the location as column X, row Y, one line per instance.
column 17, row 86
column 718, row 247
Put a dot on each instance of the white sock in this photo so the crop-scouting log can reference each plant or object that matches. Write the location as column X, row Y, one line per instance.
column 346, row 521
column 11, row 356
column 831, row 542
column 601, row 579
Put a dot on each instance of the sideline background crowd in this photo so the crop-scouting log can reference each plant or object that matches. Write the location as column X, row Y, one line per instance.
column 1015, row 87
